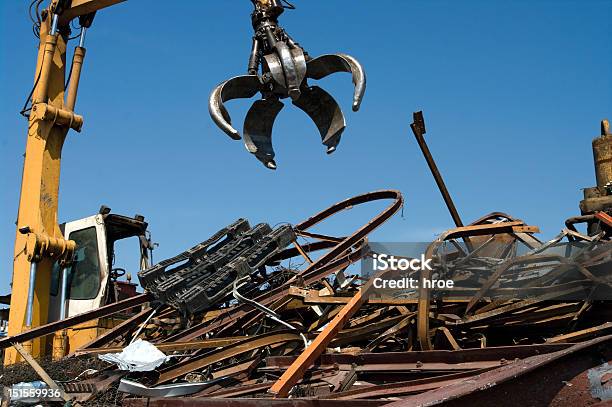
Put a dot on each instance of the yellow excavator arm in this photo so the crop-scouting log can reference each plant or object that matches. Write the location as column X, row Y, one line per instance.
column 39, row 241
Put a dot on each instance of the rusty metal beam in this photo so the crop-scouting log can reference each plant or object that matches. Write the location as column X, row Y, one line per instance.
column 115, row 332
column 389, row 368
column 581, row 334
column 418, row 128
column 431, row 356
column 313, row 297
column 291, row 376
column 605, row 218
column 75, row 320
column 494, row 377
column 404, row 387
column 256, row 402
column 241, row 391
column 169, row 346
column 238, row 348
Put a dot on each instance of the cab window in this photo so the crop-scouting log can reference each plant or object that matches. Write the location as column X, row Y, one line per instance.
column 85, row 273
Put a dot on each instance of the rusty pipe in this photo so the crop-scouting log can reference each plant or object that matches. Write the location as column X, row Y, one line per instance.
column 570, row 222
column 602, row 155
column 418, row 128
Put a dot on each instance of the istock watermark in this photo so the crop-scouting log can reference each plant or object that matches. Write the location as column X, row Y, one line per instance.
column 384, row 262
column 512, row 271
column 389, row 262
column 409, row 282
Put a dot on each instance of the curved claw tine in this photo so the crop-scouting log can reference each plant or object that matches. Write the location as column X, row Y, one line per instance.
column 325, row 65
column 325, row 113
column 258, row 129
column 245, row 86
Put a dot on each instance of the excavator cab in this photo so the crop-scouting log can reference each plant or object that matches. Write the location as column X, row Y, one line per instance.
column 92, row 279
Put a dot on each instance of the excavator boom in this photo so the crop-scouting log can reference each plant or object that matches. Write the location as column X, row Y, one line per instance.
column 39, row 241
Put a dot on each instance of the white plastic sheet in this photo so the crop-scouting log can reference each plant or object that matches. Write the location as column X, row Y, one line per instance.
column 138, row 356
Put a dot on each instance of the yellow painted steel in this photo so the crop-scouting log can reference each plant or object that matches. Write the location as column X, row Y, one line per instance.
column 82, row 334
column 39, row 191
column 42, row 241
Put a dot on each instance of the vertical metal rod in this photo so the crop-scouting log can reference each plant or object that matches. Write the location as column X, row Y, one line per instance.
column 82, row 37
column 64, row 293
column 254, row 57
column 302, row 252
column 54, row 24
column 418, row 128
column 146, row 321
column 30, row 304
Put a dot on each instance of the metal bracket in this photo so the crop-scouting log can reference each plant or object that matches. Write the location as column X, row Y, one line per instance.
column 39, row 246
column 57, row 116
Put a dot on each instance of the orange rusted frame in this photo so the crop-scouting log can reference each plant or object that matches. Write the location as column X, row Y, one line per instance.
column 604, row 217
column 297, row 369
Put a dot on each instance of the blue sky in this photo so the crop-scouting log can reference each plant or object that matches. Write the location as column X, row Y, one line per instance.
column 512, row 92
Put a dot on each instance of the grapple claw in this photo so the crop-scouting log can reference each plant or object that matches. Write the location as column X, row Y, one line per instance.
column 324, row 111
column 245, row 86
column 258, row 129
column 324, row 65
column 279, row 68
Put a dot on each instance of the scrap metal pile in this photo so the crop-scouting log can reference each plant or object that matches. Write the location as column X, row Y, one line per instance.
column 282, row 317
column 239, row 322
